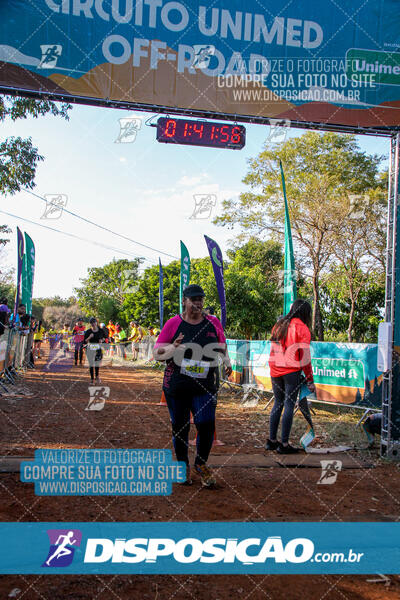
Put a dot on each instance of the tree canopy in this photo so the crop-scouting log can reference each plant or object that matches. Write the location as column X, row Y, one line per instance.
column 105, row 289
column 323, row 173
column 19, row 158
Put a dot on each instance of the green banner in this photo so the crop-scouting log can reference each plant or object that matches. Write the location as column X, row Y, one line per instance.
column 28, row 271
column 289, row 273
column 185, row 272
column 373, row 67
column 339, row 371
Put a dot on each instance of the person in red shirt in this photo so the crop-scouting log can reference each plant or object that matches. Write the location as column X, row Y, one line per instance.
column 78, row 335
column 290, row 355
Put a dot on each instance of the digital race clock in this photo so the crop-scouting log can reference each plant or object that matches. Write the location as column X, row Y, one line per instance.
column 200, row 133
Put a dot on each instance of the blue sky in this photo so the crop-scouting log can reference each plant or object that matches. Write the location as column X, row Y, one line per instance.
column 143, row 190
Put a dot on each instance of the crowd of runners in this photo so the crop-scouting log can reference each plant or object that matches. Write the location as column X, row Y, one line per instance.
column 69, row 337
column 81, row 340
column 119, row 341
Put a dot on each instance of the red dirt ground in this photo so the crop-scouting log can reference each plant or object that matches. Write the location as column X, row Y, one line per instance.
column 55, row 418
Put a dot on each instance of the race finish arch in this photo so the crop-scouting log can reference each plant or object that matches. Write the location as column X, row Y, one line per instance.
column 329, row 66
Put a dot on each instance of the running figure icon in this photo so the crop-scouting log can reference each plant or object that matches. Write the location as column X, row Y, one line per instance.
column 62, row 549
column 63, row 544
column 50, row 55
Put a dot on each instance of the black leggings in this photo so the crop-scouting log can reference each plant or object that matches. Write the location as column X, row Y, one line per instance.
column 286, row 389
column 180, row 405
column 94, row 371
column 78, row 352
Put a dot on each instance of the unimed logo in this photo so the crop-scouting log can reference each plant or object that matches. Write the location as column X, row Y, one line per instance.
column 190, row 550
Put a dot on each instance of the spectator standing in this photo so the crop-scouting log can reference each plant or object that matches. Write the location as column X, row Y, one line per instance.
column 290, row 354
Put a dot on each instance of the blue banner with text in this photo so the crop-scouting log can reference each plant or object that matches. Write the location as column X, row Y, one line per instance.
column 200, row 548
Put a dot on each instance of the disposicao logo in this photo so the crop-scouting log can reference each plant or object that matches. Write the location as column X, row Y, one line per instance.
column 62, row 547
column 190, row 550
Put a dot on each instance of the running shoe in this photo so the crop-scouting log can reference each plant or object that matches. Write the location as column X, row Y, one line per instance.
column 287, row 449
column 271, row 445
column 188, row 480
column 206, row 474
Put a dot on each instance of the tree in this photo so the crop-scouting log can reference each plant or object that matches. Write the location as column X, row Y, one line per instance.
column 321, row 170
column 115, row 281
column 19, row 157
column 4, row 230
column 253, row 297
column 251, row 276
column 143, row 305
column 376, row 210
column 368, row 310
column 359, row 237
column 7, row 286
column 39, row 305
column 57, row 316
column 251, row 287
column 267, row 255
column 108, row 310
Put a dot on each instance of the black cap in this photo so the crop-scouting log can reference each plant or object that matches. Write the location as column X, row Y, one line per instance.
column 193, row 290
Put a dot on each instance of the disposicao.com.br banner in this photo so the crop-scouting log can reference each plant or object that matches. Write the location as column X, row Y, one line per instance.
column 200, row 548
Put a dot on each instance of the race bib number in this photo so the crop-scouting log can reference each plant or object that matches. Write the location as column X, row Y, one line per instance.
column 94, row 346
column 195, row 368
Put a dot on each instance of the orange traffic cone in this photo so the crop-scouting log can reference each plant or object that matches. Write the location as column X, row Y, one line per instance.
column 216, row 441
column 163, row 401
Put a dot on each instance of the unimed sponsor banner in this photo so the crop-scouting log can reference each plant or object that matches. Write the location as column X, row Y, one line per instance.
column 199, row 548
column 321, row 62
column 343, row 373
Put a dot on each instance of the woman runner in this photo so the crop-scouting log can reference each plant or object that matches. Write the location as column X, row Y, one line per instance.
column 93, row 339
column 190, row 378
column 38, row 338
column 78, row 333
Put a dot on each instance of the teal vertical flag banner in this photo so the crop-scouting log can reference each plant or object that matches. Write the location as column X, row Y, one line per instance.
column 20, row 258
column 25, row 282
column 185, row 272
column 289, row 274
column 28, row 272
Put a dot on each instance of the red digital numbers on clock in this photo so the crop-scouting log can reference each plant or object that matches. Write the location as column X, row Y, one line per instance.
column 200, row 133
column 170, row 128
column 236, row 136
column 199, row 129
column 224, row 133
